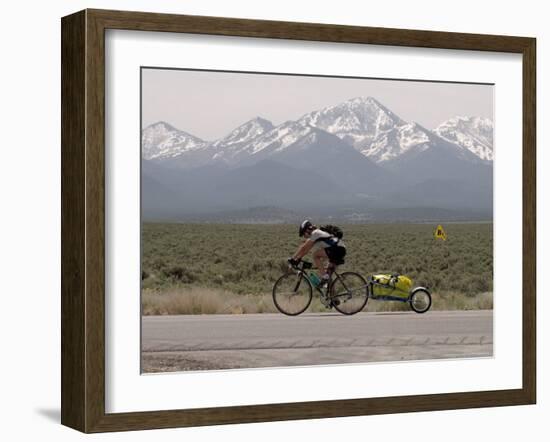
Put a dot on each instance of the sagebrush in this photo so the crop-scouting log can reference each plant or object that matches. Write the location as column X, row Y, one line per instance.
column 247, row 259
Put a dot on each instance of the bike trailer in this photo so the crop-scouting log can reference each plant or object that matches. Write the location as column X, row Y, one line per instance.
column 388, row 285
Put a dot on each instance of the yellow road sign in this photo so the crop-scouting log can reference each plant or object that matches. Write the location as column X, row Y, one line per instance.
column 440, row 233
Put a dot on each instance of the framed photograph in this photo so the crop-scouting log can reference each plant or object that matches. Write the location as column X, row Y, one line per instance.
column 269, row 221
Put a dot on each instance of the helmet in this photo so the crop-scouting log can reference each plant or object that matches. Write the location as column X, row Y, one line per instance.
column 306, row 224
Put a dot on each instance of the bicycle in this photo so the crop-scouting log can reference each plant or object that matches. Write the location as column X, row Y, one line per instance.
column 293, row 292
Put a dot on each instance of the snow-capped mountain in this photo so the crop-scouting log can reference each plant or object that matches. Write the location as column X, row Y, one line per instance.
column 392, row 143
column 382, row 136
column 279, row 139
column 358, row 121
column 474, row 134
column 299, row 145
column 353, row 154
column 239, row 140
column 362, row 122
column 412, row 139
column 251, row 142
column 161, row 140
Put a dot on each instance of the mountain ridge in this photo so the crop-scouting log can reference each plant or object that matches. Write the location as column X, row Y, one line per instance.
column 362, row 122
column 356, row 156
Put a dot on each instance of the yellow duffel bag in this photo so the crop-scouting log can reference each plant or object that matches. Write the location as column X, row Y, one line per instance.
column 392, row 286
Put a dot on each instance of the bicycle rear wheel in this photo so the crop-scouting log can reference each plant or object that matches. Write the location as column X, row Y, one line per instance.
column 349, row 293
column 292, row 294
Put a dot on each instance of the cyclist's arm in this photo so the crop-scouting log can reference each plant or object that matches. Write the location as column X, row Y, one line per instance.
column 304, row 249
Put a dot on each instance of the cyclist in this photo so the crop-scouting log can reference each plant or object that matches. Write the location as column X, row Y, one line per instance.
column 328, row 251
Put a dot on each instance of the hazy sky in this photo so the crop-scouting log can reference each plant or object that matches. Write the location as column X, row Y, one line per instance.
column 209, row 105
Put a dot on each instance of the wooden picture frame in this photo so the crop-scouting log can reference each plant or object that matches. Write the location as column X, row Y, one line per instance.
column 83, row 220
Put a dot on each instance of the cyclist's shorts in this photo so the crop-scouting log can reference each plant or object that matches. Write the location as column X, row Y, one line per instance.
column 336, row 254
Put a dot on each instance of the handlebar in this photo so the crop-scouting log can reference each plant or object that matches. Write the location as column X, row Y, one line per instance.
column 306, row 265
column 300, row 265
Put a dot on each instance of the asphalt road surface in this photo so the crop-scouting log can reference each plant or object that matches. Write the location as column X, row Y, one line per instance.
column 214, row 342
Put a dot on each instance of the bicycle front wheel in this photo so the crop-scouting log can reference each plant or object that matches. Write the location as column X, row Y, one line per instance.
column 349, row 293
column 292, row 294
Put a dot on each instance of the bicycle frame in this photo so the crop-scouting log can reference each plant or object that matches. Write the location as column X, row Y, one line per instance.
column 370, row 285
column 305, row 274
column 334, row 276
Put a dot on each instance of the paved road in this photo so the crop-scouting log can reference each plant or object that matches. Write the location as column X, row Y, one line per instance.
column 176, row 343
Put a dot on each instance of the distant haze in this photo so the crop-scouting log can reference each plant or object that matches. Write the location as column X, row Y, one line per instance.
column 210, row 104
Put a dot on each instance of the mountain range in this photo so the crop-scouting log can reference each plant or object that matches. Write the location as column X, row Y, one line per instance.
column 355, row 157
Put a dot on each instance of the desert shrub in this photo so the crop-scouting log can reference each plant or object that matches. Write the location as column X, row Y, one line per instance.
column 247, row 259
column 179, row 274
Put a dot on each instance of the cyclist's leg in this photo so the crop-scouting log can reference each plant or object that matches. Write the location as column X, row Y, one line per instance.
column 320, row 259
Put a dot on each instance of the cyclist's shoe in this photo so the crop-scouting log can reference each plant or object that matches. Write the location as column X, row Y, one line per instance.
column 323, row 282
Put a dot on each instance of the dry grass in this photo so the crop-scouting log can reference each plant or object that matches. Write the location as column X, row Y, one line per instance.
column 458, row 301
column 203, row 301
